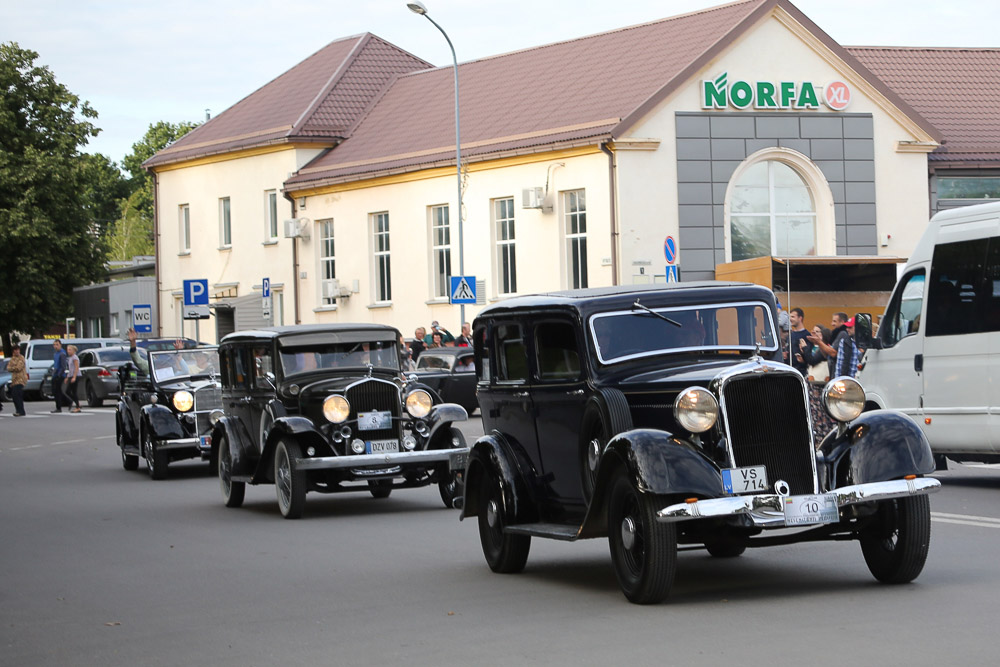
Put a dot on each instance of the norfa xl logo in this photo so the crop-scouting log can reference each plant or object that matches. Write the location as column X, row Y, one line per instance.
column 718, row 94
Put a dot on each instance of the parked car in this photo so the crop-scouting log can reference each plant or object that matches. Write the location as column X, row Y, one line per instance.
column 663, row 416
column 38, row 354
column 99, row 373
column 326, row 408
column 169, row 402
column 451, row 373
column 4, row 380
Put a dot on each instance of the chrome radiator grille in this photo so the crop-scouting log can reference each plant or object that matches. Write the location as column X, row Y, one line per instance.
column 207, row 399
column 768, row 423
column 372, row 395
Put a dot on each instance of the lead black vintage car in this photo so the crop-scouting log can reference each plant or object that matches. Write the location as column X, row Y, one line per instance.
column 168, row 404
column 663, row 416
column 326, row 408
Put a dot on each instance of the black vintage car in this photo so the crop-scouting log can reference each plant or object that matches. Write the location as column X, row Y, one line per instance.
column 663, row 416
column 451, row 373
column 326, row 408
column 168, row 403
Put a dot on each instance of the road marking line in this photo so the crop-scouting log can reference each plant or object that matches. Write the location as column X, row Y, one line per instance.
column 966, row 517
column 967, row 523
column 17, row 449
column 67, row 442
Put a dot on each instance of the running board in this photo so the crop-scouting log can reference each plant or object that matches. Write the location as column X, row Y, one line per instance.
column 554, row 531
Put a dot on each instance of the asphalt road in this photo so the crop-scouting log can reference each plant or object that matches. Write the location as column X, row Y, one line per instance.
column 99, row 566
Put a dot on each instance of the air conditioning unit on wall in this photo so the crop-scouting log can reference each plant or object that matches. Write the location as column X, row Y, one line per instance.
column 333, row 290
column 532, row 197
column 297, row 228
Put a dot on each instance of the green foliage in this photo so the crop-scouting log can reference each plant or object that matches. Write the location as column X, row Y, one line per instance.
column 131, row 234
column 53, row 199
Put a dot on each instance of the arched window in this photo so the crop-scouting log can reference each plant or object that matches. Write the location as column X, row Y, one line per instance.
column 778, row 203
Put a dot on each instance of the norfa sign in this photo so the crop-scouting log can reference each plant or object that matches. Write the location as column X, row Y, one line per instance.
column 718, row 93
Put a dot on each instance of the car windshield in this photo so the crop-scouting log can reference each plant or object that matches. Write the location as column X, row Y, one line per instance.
column 380, row 354
column 429, row 361
column 113, row 355
column 637, row 332
column 183, row 363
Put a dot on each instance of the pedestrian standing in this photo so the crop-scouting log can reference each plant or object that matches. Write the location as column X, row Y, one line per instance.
column 58, row 375
column 18, row 378
column 418, row 345
column 465, row 340
column 847, row 353
column 797, row 336
column 70, row 385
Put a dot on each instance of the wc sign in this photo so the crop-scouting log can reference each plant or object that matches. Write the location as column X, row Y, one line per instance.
column 142, row 318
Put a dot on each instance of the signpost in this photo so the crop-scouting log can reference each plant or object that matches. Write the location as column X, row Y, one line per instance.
column 670, row 254
column 196, row 303
column 142, row 318
column 265, row 301
column 463, row 289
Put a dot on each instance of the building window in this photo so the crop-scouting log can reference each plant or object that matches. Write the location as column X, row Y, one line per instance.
column 382, row 276
column 225, row 224
column 184, row 220
column 95, row 327
column 506, row 257
column 575, row 206
column 968, row 188
column 271, row 215
column 115, row 331
column 441, row 251
column 327, row 263
column 771, row 212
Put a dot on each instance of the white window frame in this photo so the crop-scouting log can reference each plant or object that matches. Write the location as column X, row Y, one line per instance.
column 184, row 228
column 225, row 223
column 440, row 232
column 327, row 271
column 577, row 270
column 505, row 246
column 812, row 176
column 271, row 230
column 381, row 258
column 115, row 330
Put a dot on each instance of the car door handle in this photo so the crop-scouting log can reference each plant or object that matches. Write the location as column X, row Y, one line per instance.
column 575, row 392
column 521, row 394
column 918, row 362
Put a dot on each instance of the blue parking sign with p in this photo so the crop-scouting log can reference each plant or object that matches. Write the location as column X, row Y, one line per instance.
column 195, row 292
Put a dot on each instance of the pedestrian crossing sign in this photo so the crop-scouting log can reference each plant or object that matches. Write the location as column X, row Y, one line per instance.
column 673, row 273
column 463, row 289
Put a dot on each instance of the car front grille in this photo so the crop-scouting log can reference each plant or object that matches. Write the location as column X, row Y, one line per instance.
column 207, row 399
column 376, row 395
column 768, row 423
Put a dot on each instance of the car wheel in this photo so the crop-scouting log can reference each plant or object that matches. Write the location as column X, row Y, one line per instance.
column 45, row 391
column 129, row 461
column 232, row 492
column 92, row 398
column 895, row 544
column 289, row 481
column 600, row 424
column 380, row 488
column 450, row 483
column 643, row 550
column 156, row 461
column 505, row 553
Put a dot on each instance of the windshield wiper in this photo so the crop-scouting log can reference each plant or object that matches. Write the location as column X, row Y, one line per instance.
column 655, row 314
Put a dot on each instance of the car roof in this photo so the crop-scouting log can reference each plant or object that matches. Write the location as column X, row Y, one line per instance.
column 446, row 350
column 268, row 333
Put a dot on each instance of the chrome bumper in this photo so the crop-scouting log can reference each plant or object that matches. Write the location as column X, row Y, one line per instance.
column 182, row 443
column 456, row 458
column 766, row 510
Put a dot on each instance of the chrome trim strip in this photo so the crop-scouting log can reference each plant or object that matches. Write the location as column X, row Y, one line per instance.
column 766, row 510
column 179, row 443
column 456, row 458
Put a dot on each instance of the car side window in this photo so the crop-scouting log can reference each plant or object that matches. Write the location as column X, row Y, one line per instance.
column 955, row 292
column 992, row 291
column 86, row 359
column 480, row 344
column 556, row 352
column 233, row 365
column 262, row 365
column 902, row 317
column 512, row 353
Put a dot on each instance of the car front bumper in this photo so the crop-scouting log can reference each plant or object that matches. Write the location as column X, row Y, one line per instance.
column 201, row 445
column 457, row 458
column 767, row 510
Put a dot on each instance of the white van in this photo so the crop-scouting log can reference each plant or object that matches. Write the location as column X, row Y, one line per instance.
column 937, row 353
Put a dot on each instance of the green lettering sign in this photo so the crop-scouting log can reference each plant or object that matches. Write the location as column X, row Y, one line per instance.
column 807, row 96
column 765, row 95
column 714, row 94
column 741, row 95
column 787, row 94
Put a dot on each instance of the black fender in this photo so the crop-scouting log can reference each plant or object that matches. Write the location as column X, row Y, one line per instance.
column 130, row 430
column 241, row 449
column 440, row 420
column 878, row 446
column 161, row 422
column 493, row 454
column 301, row 429
column 660, row 463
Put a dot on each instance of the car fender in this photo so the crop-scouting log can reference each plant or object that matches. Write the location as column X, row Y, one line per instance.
column 440, row 420
column 660, row 463
column 492, row 453
column 878, row 446
column 161, row 422
column 300, row 429
column 241, row 449
column 130, row 430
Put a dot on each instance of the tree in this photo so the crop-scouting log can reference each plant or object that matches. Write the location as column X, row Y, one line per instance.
column 50, row 237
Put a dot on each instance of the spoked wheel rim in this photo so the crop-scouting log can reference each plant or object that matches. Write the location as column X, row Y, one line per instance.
column 283, row 477
column 147, row 451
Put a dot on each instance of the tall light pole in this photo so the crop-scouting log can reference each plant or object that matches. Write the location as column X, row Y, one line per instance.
column 418, row 8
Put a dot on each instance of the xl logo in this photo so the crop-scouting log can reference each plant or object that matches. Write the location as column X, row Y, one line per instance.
column 837, row 95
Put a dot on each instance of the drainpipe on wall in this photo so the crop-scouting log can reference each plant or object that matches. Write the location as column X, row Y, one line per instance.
column 295, row 263
column 156, row 254
column 614, row 211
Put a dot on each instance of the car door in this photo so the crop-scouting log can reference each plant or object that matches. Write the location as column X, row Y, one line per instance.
column 236, row 396
column 510, row 409
column 992, row 326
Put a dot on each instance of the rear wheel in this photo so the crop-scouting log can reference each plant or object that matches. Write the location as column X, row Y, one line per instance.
column 232, row 492
column 289, row 481
column 895, row 544
column 156, row 461
column 380, row 488
column 643, row 551
column 92, row 399
column 505, row 553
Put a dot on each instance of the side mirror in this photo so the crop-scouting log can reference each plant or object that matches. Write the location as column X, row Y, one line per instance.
column 863, row 332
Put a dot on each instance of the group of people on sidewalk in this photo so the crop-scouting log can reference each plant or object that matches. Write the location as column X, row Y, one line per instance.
column 410, row 351
column 65, row 373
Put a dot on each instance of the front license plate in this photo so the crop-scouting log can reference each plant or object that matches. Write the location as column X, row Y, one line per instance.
column 808, row 510
column 206, row 442
column 374, row 421
column 744, row 480
column 382, row 446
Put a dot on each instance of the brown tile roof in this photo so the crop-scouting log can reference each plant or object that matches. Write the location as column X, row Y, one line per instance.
column 317, row 100
column 955, row 89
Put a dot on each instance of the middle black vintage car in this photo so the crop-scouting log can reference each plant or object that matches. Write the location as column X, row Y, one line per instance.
column 327, row 408
column 663, row 416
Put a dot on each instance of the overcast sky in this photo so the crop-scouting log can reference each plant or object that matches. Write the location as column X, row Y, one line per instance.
column 139, row 62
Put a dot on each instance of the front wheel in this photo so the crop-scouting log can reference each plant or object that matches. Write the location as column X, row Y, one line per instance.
column 895, row 544
column 505, row 553
column 643, row 551
column 289, row 481
column 380, row 488
column 129, row 462
column 232, row 492
column 156, row 461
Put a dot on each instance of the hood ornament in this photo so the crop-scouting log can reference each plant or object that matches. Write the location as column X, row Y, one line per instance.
column 756, row 351
column 370, row 368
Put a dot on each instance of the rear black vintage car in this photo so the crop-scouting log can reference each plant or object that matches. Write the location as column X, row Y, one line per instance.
column 663, row 416
column 326, row 408
column 168, row 404
column 451, row 373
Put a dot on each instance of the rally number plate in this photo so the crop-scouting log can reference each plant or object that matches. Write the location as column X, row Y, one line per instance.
column 744, row 480
column 374, row 421
column 809, row 510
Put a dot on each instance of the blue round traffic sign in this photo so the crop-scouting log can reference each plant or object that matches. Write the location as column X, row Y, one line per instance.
column 670, row 249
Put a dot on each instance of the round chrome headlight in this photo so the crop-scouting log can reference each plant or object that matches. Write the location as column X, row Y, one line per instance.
column 696, row 409
column 844, row 398
column 215, row 416
column 336, row 409
column 183, row 401
column 418, row 403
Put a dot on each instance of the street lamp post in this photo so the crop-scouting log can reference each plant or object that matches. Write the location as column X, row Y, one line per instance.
column 418, row 8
